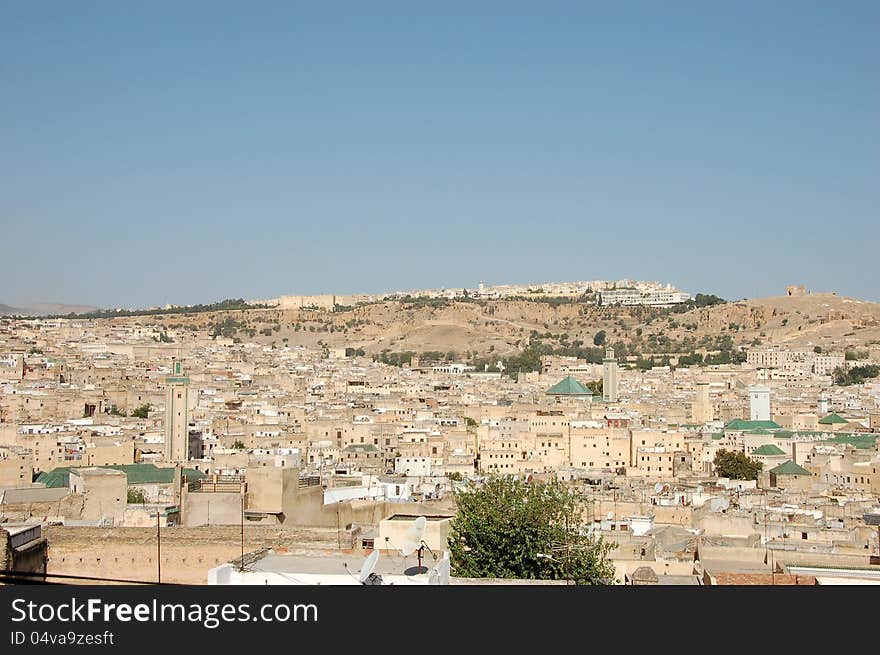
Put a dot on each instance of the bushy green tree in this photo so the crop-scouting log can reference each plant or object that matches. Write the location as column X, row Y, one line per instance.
column 141, row 412
column 736, row 465
column 845, row 376
column 510, row 528
column 136, row 495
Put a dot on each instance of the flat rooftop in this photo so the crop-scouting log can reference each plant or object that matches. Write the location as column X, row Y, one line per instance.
column 389, row 563
column 413, row 517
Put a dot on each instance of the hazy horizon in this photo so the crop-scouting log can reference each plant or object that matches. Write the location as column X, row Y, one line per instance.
column 387, row 291
column 165, row 154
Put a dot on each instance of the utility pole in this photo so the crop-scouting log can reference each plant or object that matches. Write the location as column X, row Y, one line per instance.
column 241, row 567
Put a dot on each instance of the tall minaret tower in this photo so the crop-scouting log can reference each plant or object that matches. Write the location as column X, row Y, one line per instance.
column 609, row 377
column 176, row 415
column 701, row 410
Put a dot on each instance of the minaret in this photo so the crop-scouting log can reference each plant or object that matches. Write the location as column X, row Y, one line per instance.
column 759, row 403
column 609, row 377
column 176, row 415
column 702, row 407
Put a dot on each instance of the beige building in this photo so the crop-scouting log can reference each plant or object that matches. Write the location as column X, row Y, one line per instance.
column 104, row 492
column 16, row 466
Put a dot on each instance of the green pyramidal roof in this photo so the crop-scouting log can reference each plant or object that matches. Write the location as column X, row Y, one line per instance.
column 831, row 419
column 790, row 468
column 768, row 449
column 568, row 386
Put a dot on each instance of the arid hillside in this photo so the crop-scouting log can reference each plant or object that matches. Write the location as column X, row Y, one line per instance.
column 501, row 328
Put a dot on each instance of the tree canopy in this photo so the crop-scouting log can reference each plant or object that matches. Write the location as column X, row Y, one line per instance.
column 736, row 465
column 141, row 412
column 509, row 528
column 845, row 376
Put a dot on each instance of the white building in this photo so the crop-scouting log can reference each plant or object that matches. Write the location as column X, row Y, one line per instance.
column 654, row 297
column 759, row 403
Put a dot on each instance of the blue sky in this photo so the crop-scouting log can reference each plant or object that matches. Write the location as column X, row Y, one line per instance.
column 154, row 153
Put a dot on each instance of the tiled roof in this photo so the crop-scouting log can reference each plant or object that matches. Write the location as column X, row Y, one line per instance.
column 137, row 474
column 568, row 386
column 740, row 424
column 831, row 419
column 790, row 468
column 768, row 449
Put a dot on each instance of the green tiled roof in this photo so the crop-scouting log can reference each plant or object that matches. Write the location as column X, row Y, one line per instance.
column 831, row 419
column 717, row 435
column 758, row 431
column 739, row 424
column 568, row 386
column 768, row 449
column 137, row 474
column 783, row 434
column 790, row 468
column 856, row 439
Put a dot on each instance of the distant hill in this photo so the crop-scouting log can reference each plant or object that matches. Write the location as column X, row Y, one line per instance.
column 484, row 331
column 503, row 328
column 44, row 309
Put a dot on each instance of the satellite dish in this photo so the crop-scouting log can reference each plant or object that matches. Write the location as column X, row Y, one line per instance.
column 658, row 488
column 368, row 567
column 719, row 504
column 610, row 515
column 444, row 569
column 413, row 538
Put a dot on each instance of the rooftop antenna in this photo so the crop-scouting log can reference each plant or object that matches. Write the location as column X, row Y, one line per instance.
column 413, row 543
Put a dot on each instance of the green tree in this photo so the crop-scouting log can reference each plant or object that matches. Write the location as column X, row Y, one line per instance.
column 141, row 412
column 599, row 339
column 136, row 495
column 511, row 528
column 845, row 376
column 736, row 465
